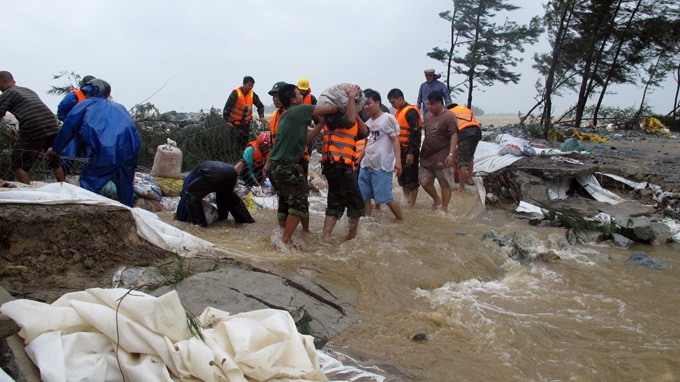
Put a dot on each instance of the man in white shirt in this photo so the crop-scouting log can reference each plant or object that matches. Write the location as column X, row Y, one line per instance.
column 378, row 160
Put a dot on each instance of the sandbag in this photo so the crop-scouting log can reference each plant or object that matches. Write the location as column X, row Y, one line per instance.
column 146, row 186
column 169, row 186
column 168, row 161
column 337, row 96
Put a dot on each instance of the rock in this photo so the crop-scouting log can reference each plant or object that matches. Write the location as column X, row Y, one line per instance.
column 637, row 229
column 544, row 223
column 621, row 241
column 142, row 278
column 491, row 198
column 662, row 233
column 493, row 236
column 602, row 258
column 641, row 259
column 419, row 337
column 237, row 290
column 548, row 257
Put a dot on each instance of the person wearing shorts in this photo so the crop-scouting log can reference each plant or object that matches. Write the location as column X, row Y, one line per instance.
column 436, row 155
column 468, row 135
column 338, row 160
column 378, row 164
column 410, row 124
column 292, row 138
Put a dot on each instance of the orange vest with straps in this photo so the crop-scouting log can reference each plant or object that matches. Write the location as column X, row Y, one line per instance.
column 339, row 145
column 259, row 158
column 307, row 100
column 79, row 93
column 361, row 144
column 242, row 112
column 465, row 117
column 405, row 130
column 274, row 124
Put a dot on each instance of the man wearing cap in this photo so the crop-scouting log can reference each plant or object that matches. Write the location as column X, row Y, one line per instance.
column 307, row 97
column 431, row 84
column 109, row 139
column 71, row 99
column 238, row 112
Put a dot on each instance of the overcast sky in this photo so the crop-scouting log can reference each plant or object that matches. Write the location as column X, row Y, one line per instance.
column 203, row 49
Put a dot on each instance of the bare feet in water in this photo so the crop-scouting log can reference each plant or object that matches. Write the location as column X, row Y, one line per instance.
column 293, row 246
column 436, row 204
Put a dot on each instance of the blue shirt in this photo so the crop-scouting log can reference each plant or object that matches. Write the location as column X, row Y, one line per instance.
column 426, row 88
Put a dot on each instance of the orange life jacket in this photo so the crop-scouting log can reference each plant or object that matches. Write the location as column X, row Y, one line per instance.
column 79, row 93
column 360, row 145
column 339, row 145
column 274, row 124
column 307, row 100
column 259, row 158
column 242, row 112
column 405, row 130
column 465, row 117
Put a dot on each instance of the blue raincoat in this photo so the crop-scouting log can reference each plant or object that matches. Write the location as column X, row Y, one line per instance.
column 108, row 137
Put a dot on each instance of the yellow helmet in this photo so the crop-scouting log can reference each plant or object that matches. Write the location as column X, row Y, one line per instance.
column 303, row 84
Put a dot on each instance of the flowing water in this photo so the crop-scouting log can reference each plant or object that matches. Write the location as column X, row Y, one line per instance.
column 436, row 302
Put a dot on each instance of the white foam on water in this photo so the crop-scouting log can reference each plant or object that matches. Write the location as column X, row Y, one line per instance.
column 336, row 371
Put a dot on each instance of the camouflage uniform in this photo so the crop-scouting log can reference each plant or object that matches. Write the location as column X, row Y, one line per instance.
column 343, row 191
column 291, row 182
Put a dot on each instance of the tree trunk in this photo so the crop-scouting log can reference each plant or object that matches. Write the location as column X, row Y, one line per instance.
column 454, row 42
column 522, row 119
column 676, row 104
column 610, row 73
column 565, row 18
column 649, row 81
column 471, row 73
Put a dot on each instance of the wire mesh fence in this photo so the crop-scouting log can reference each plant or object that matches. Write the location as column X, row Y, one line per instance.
column 207, row 138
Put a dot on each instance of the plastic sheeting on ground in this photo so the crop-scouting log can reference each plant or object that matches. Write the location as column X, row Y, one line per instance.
column 149, row 226
column 629, row 183
column 118, row 334
column 590, row 183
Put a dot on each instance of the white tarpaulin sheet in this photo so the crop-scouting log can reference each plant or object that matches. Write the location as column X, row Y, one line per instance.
column 487, row 159
column 149, row 226
column 590, row 183
column 111, row 334
column 629, row 183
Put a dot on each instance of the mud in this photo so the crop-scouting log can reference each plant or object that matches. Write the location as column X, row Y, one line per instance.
column 49, row 250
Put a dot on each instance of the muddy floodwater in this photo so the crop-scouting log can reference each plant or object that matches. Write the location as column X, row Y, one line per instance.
column 436, row 302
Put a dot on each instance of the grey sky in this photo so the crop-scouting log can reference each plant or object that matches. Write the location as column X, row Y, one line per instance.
column 204, row 49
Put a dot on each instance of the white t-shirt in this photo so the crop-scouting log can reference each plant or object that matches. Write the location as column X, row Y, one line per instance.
column 379, row 151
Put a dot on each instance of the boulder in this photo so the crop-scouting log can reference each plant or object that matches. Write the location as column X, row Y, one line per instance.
column 641, row 259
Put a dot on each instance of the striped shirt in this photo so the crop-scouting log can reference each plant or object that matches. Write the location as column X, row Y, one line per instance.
column 35, row 118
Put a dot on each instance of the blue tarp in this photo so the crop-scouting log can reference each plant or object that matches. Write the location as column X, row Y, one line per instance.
column 108, row 137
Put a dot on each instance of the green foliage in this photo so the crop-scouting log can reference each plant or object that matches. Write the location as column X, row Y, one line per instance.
column 488, row 56
column 535, row 130
column 303, row 324
column 206, row 137
column 71, row 81
column 573, row 219
column 622, row 117
column 179, row 272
